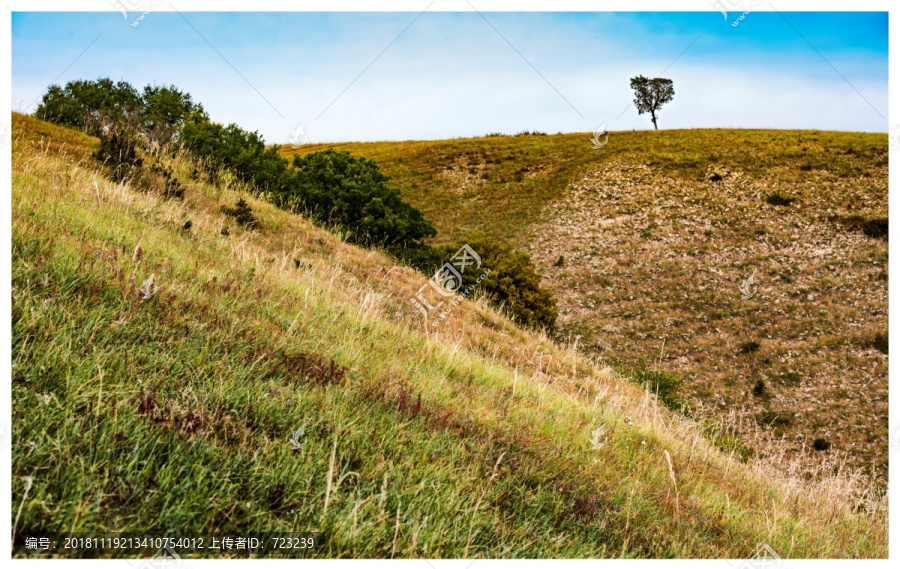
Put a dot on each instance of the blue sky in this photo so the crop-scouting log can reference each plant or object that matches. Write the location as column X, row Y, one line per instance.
column 452, row 74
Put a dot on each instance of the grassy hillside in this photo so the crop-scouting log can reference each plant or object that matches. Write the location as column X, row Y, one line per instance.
column 501, row 184
column 646, row 242
column 176, row 412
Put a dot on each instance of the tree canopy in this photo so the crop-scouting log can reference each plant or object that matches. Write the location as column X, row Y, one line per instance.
column 651, row 94
column 98, row 105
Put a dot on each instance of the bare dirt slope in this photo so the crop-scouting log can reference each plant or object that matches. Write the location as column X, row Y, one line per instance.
column 648, row 270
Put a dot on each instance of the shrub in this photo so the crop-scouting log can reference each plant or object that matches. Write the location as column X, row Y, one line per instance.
column 513, row 283
column 666, row 386
column 750, row 347
column 880, row 342
column 125, row 121
column 876, row 227
column 118, row 151
column 239, row 151
column 821, row 444
column 418, row 255
column 241, row 212
column 559, row 262
column 759, row 388
column 336, row 187
column 780, row 198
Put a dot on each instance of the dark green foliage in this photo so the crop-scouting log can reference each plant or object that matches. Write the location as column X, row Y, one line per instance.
column 418, row 255
column 97, row 106
column 513, row 283
column 759, row 388
column 125, row 121
column 779, row 198
column 164, row 110
column 338, row 188
column 651, row 94
column 750, row 347
column 242, row 152
column 118, row 151
column 333, row 188
column 880, row 342
column 89, row 105
column 666, row 386
column 876, row 227
column 821, row 444
column 242, row 213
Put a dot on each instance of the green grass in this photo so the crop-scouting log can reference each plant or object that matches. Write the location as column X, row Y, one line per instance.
column 175, row 413
column 500, row 183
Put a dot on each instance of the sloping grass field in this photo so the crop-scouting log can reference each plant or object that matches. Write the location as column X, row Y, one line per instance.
column 647, row 241
column 175, row 412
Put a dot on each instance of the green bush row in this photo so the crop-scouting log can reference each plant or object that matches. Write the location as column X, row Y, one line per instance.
column 331, row 187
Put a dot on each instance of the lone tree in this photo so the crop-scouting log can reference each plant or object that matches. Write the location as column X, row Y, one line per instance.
column 651, row 94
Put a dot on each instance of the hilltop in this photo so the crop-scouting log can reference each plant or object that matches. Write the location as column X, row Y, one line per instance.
column 647, row 241
column 173, row 408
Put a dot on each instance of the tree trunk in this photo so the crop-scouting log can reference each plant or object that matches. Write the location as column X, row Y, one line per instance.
column 653, row 116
